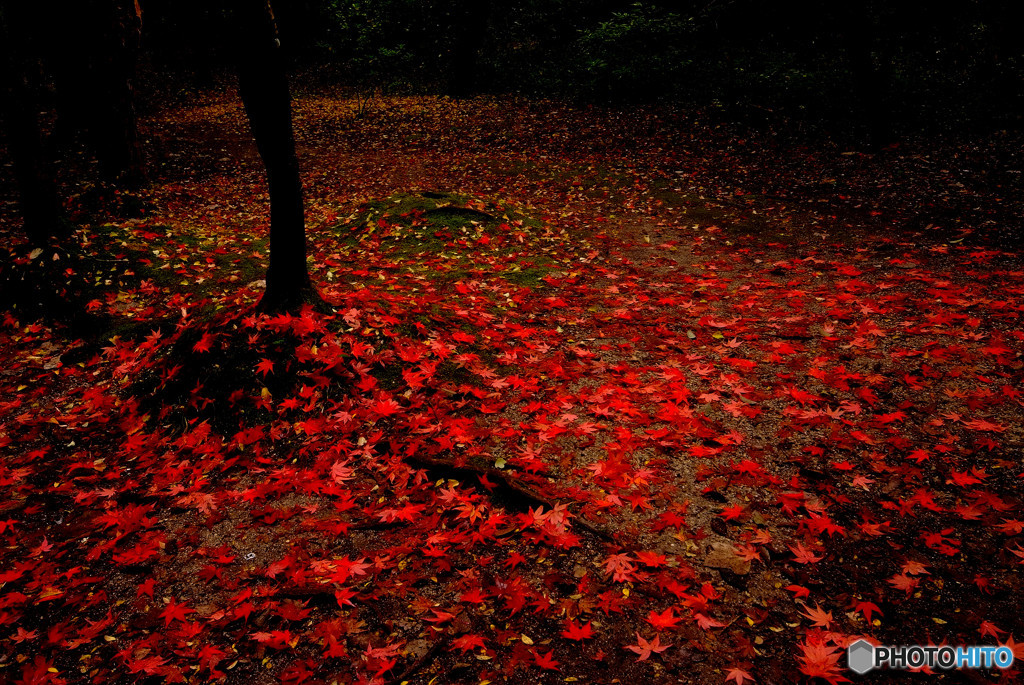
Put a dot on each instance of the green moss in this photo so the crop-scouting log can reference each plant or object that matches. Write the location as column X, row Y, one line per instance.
column 530, row 277
column 389, row 377
column 447, row 237
column 456, row 375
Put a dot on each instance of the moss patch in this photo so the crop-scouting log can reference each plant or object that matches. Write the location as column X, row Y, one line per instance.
column 450, row 237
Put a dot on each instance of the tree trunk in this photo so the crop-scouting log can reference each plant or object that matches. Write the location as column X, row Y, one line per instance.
column 94, row 49
column 264, row 89
column 116, row 129
column 870, row 83
column 469, row 24
column 40, row 205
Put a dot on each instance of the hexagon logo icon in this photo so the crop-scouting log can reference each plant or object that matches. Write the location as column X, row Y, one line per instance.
column 860, row 657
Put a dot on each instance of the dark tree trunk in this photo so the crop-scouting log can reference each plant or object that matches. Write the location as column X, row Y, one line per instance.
column 37, row 287
column 117, row 133
column 998, row 68
column 264, row 89
column 468, row 28
column 870, row 82
column 95, row 47
column 40, row 205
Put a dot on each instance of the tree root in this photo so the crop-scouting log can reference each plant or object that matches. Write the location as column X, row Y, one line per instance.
column 507, row 489
column 421, row 662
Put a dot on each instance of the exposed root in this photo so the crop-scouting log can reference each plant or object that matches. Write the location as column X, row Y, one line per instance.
column 415, row 666
column 507, row 491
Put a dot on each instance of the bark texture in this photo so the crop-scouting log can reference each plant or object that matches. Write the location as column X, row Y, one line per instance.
column 263, row 85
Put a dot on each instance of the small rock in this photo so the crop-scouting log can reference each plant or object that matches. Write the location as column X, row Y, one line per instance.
column 417, row 648
column 207, row 610
column 723, row 555
column 462, row 624
column 715, row 496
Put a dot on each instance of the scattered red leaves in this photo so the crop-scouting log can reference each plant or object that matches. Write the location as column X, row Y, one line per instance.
column 516, row 439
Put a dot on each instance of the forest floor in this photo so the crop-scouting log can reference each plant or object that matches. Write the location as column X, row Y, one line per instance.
column 609, row 396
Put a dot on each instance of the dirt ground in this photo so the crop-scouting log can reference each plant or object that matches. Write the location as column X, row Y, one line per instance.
column 609, row 396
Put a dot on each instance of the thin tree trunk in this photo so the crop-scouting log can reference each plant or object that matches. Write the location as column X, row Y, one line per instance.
column 870, row 82
column 264, row 89
column 468, row 28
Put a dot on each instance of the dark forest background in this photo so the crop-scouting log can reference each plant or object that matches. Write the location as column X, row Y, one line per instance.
column 869, row 68
column 864, row 74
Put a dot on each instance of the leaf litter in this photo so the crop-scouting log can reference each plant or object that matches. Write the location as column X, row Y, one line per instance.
column 561, row 386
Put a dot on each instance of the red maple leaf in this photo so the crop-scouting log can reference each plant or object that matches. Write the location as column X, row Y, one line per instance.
column 732, row 513
column 1011, row 527
column 408, row 512
column 802, row 396
column 24, row 635
column 276, row 639
column 383, row 652
column 439, row 616
column 174, row 611
column 577, row 632
column 914, row 568
column 989, row 628
column 467, row 642
column 1018, row 552
column 868, row 609
column 210, row 656
column 146, row 588
column 706, row 622
column 739, row 676
column 344, row 568
column 802, row 555
column 620, row 566
column 344, row 596
column 666, row 619
column 546, row 661
column 983, row 425
column 265, row 366
column 669, row 519
column 651, row 559
column 1016, row 647
column 904, row 582
column 386, row 407
column 148, row 664
column 798, row 591
column 820, row 617
column 821, row 660
column 203, row 345
column 645, row 648
column 474, row 596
